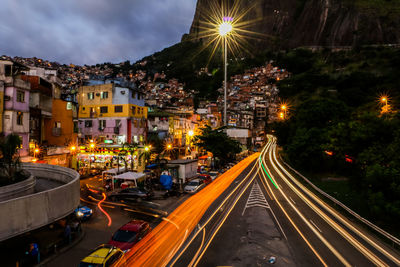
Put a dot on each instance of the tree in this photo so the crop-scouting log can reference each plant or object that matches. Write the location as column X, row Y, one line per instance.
column 9, row 161
column 217, row 142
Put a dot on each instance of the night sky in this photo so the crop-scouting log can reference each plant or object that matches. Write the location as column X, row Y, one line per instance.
column 92, row 31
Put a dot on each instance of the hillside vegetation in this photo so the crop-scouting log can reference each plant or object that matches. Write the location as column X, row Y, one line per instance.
column 338, row 125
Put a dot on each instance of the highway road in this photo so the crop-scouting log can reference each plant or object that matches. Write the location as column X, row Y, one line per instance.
column 255, row 213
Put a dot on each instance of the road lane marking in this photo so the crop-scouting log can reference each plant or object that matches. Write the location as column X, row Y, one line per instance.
column 292, row 200
column 315, row 225
column 356, row 244
column 256, row 198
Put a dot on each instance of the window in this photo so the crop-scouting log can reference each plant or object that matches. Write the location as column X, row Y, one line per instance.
column 90, row 95
column 7, row 70
column 20, row 118
column 102, row 124
column 104, row 95
column 57, row 124
column 92, row 110
column 76, row 129
column 133, row 94
column 117, row 123
column 20, row 96
column 133, row 110
column 88, row 124
column 117, row 109
column 103, row 109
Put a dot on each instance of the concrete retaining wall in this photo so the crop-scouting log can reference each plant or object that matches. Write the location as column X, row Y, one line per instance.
column 30, row 212
column 18, row 189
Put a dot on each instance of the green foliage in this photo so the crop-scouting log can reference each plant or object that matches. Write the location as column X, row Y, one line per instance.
column 217, row 142
column 335, row 108
column 10, row 168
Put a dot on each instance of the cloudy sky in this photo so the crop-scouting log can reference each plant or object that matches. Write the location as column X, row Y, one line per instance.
column 92, row 31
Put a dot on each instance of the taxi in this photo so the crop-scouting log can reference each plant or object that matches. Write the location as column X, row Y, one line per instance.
column 104, row 255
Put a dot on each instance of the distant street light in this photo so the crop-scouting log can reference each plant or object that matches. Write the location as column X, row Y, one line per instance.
column 224, row 29
column 384, row 99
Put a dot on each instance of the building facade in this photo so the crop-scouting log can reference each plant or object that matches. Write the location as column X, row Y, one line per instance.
column 111, row 113
column 16, row 102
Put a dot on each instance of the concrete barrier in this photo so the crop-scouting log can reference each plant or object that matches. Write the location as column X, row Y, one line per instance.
column 26, row 213
column 23, row 188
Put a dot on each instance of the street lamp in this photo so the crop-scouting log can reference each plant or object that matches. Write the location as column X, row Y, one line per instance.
column 91, row 145
column 224, row 29
column 284, row 108
column 384, row 99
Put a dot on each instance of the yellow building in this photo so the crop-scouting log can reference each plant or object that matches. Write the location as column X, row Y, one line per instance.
column 112, row 112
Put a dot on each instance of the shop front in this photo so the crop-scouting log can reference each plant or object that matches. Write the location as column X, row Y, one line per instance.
column 108, row 157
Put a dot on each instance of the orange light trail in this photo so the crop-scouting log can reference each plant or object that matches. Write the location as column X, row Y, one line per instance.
column 99, row 205
column 160, row 245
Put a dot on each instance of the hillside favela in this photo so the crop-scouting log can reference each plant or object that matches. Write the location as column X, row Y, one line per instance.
column 199, row 133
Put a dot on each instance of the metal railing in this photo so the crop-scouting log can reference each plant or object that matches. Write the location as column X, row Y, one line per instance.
column 337, row 202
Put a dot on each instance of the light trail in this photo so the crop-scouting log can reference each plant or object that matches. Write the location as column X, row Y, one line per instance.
column 227, row 214
column 156, row 247
column 332, row 223
column 366, row 252
column 304, row 219
column 219, row 208
column 108, row 216
column 273, row 197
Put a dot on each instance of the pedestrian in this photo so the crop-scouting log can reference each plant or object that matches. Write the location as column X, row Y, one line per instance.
column 34, row 253
column 67, row 234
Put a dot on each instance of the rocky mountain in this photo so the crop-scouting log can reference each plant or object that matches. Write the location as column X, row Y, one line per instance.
column 294, row 23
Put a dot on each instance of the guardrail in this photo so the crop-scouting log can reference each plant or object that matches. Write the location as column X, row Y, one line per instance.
column 337, row 202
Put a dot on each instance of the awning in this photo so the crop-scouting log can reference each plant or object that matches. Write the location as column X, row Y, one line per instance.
column 151, row 166
column 133, row 176
column 204, row 157
column 114, row 171
column 130, row 175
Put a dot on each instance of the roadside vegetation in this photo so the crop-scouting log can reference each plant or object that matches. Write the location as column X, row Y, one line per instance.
column 10, row 166
column 339, row 125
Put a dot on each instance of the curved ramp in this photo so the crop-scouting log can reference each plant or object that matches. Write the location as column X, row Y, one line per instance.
column 26, row 213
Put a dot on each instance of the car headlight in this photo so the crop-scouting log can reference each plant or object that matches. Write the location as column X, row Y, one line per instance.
column 79, row 214
column 91, row 211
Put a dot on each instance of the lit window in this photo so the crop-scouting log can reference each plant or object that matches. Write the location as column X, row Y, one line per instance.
column 102, row 124
column 90, row 95
column 104, row 95
column 20, row 118
column 69, row 105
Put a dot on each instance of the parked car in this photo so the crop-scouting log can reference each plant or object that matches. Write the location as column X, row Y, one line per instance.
column 83, row 213
column 129, row 234
column 131, row 193
column 206, row 178
column 213, row 174
column 194, row 186
column 104, row 255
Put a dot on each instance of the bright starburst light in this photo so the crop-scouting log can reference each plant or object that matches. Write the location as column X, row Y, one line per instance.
column 220, row 20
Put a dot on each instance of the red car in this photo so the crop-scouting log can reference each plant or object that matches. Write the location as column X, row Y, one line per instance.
column 206, row 178
column 129, row 234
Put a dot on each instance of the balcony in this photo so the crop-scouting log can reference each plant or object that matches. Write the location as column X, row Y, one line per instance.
column 56, row 131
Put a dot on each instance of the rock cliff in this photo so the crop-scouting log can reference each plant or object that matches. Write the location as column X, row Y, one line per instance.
column 294, row 23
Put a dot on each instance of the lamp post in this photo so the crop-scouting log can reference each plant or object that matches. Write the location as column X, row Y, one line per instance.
column 92, row 145
column 224, row 29
column 35, row 151
column 384, row 99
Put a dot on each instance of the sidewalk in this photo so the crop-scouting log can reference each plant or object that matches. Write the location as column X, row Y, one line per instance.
column 49, row 239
